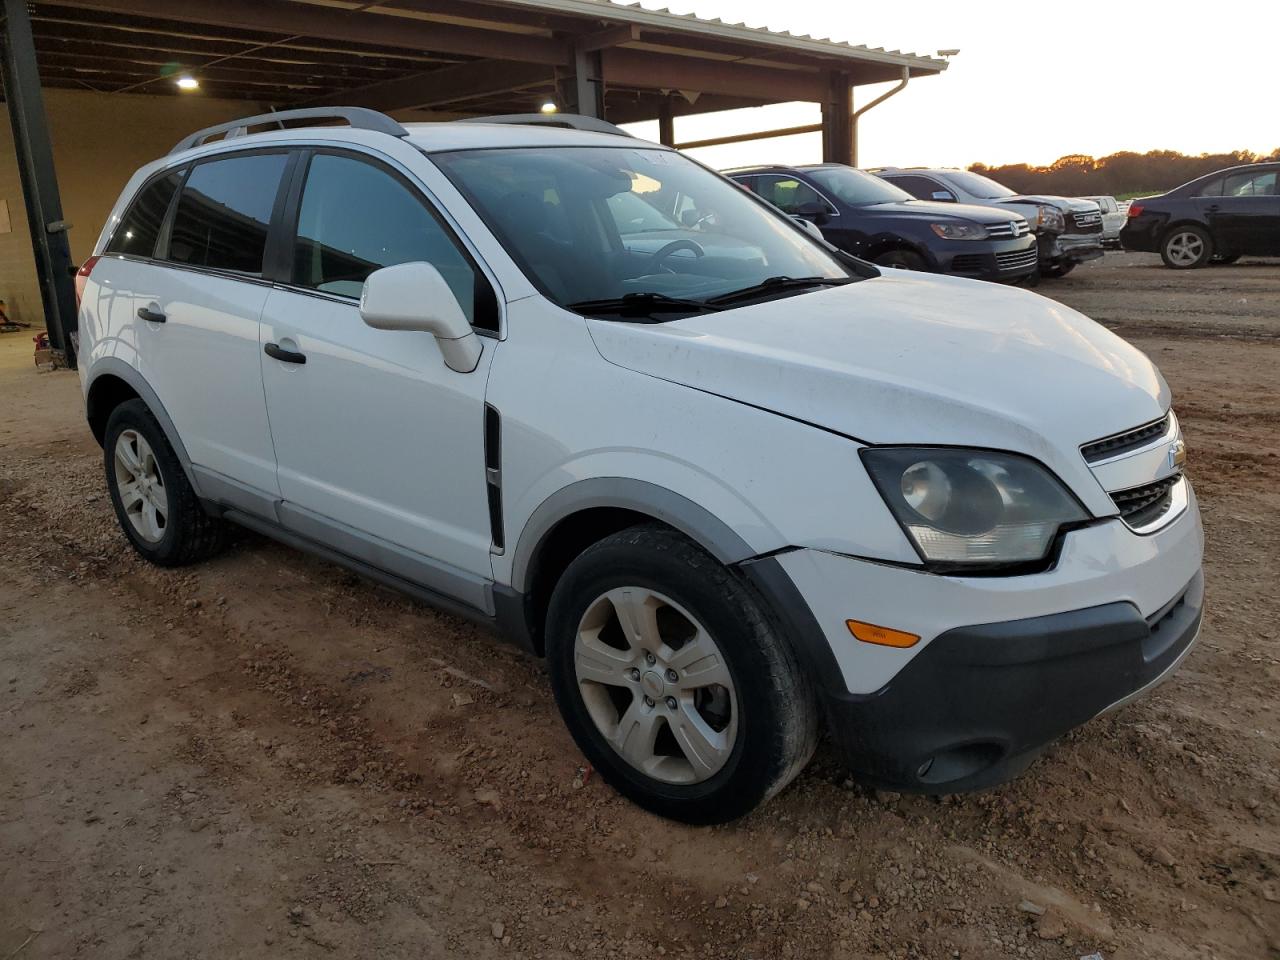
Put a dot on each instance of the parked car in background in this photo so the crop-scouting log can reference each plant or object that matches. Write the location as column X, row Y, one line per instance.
column 1217, row 218
column 1113, row 220
column 862, row 215
column 1069, row 231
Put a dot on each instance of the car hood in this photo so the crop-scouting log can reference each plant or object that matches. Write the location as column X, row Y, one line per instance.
column 933, row 211
column 908, row 358
column 1062, row 203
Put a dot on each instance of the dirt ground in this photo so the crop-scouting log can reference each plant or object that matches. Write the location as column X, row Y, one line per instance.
column 265, row 756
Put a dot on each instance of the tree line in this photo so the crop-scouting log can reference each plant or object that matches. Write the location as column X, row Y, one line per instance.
column 1121, row 174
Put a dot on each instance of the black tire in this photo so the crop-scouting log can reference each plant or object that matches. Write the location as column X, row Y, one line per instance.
column 777, row 720
column 1176, row 244
column 1224, row 259
column 190, row 534
column 1058, row 270
column 902, row 260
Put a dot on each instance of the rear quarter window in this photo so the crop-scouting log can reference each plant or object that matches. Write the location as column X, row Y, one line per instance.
column 140, row 228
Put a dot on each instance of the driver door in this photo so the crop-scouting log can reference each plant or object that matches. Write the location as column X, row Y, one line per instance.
column 379, row 445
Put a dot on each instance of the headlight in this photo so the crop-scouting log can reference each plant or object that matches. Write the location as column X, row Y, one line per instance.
column 1050, row 218
column 960, row 231
column 972, row 508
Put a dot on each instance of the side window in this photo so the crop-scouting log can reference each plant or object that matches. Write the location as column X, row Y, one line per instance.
column 224, row 212
column 355, row 218
column 922, row 188
column 788, row 194
column 140, row 228
column 1211, row 188
column 1251, row 184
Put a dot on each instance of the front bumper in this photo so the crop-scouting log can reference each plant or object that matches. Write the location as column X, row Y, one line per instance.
column 968, row 706
column 1070, row 248
column 1008, row 259
column 978, row 705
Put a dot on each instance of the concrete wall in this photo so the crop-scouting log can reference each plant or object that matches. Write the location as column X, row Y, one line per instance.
column 99, row 140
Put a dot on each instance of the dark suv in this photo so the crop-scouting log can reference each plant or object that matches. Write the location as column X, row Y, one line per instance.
column 869, row 218
column 1214, row 219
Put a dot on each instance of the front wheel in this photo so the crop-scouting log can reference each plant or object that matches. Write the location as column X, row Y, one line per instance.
column 902, row 260
column 672, row 680
column 1058, row 270
column 1186, row 247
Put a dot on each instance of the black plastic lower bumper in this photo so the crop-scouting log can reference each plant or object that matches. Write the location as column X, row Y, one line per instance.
column 977, row 705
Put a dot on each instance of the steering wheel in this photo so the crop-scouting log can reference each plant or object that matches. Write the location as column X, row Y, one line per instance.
column 675, row 246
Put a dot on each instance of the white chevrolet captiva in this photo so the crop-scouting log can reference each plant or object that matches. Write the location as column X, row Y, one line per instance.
column 735, row 486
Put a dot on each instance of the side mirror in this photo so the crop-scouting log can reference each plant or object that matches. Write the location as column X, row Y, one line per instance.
column 944, row 196
column 810, row 227
column 811, row 210
column 413, row 296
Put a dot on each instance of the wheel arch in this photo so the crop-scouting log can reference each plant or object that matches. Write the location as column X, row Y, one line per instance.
column 1185, row 221
column 887, row 242
column 113, row 382
column 583, row 513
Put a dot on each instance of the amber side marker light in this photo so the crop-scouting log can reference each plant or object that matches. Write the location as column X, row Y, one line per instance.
column 885, row 637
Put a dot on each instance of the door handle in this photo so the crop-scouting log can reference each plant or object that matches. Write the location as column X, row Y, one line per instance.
column 149, row 315
column 278, row 352
column 1212, row 207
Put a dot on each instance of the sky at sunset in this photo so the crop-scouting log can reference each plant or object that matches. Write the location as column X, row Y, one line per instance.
column 1034, row 80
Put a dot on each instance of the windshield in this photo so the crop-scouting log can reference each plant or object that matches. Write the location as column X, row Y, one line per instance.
column 601, row 223
column 855, row 187
column 976, row 185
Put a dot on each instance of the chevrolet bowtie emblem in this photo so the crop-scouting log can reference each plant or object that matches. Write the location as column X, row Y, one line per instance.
column 1177, row 454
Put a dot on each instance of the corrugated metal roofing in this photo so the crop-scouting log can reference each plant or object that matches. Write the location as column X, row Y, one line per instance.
column 666, row 19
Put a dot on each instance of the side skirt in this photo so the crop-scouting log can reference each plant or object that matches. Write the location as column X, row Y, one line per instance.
column 415, row 590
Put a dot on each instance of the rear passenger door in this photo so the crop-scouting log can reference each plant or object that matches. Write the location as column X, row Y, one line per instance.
column 380, row 445
column 199, row 306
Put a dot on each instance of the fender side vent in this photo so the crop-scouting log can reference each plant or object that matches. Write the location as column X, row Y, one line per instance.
column 493, row 473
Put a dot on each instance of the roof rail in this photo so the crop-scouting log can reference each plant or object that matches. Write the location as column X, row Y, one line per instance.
column 571, row 121
column 360, row 118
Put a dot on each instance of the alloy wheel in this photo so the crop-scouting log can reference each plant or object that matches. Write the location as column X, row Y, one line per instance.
column 656, row 685
column 1185, row 248
column 140, row 486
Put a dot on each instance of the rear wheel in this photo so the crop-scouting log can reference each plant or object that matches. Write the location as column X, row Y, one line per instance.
column 672, row 680
column 902, row 260
column 1186, row 247
column 154, row 502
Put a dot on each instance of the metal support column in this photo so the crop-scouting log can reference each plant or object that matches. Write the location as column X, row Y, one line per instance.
column 39, row 181
column 666, row 123
column 837, row 123
column 588, row 83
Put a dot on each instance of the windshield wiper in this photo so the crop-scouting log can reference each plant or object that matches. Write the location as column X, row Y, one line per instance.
column 772, row 284
column 642, row 304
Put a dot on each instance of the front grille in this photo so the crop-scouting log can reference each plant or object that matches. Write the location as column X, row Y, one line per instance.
column 968, row 263
column 1120, row 443
column 1144, row 505
column 1087, row 219
column 1014, row 228
column 1018, row 260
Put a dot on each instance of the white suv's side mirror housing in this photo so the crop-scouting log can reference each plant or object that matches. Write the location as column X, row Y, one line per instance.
column 414, row 296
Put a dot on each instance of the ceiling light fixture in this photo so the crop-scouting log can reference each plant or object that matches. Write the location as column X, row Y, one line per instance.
column 187, row 82
column 549, row 107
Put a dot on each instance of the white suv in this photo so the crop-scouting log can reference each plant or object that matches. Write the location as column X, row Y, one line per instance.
column 734, row 486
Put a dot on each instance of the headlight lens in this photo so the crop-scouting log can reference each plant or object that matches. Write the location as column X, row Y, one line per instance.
column 972, row 507
column 960, row 231
column 1050, row 218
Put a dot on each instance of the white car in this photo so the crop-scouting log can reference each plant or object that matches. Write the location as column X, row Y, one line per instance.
column 730, row 499
column 1114, row 216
